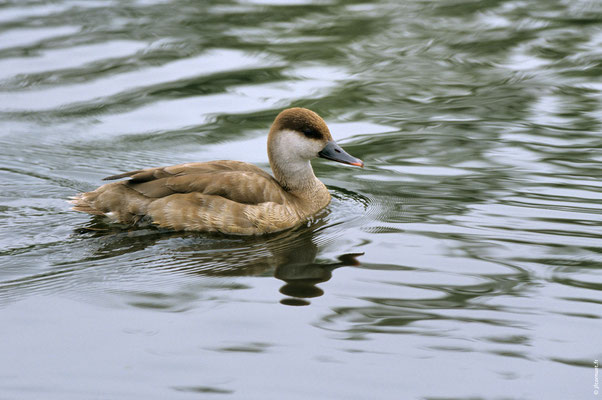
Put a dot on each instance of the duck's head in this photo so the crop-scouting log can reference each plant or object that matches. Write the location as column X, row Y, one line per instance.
column 299, row 135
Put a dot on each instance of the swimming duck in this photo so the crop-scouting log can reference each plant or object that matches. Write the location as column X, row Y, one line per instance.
column 231, row 197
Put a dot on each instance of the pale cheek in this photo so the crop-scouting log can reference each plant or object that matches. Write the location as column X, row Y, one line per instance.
column 304, row 148
column 292, row 146
column 312, row 149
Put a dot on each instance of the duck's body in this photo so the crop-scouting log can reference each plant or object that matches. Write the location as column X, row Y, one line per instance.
column 224, row 196
column 231, row 197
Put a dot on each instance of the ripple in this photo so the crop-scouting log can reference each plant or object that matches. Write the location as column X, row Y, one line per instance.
column 14, row 14
column 471, row 237
column 67, row 58
column 45, row 99
column 22, row 37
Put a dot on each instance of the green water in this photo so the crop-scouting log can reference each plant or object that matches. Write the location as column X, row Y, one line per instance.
column 463, row 262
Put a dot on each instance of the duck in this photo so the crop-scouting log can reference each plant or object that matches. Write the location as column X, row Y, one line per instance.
column 229, row 197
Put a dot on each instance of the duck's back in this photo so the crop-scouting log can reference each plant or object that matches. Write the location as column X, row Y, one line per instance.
column 225, row 196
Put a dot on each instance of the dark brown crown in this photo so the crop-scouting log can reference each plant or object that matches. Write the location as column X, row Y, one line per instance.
column 302, row 120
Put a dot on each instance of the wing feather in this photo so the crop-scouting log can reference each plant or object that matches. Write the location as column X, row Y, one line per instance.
column 144, row 175
column 234, row 180
column 226, row 196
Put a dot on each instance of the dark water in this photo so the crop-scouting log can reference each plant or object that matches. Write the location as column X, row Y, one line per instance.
column 464, row 261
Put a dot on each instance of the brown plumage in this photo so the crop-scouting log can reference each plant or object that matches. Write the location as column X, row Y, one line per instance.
column 231, row 197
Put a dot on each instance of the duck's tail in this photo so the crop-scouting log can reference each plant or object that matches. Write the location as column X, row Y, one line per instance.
column 81, row 204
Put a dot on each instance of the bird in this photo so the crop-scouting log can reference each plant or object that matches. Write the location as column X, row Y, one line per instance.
column 229, row 197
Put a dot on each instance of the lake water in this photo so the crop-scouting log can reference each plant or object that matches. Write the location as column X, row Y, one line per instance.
column 463, row 262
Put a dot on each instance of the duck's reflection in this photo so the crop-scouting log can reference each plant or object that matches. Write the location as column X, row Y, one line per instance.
column 289, row 256
column 301, row 273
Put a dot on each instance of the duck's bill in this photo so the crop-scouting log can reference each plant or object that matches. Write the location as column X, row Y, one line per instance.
column 334, row 152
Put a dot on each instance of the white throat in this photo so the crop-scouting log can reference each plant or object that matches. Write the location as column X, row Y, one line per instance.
column 290, row 155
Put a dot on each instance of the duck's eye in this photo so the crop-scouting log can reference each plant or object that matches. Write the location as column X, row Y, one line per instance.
column 312, row 133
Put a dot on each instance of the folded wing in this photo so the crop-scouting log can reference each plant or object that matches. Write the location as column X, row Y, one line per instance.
column 234, row 180
column 225, row 196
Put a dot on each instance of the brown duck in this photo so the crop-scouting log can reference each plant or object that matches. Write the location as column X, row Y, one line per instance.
column 231, row 197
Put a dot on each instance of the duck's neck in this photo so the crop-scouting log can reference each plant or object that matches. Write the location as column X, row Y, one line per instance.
column 291, row 169
column 296, row 176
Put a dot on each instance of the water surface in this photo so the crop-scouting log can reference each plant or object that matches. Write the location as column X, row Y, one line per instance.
column 463, row 262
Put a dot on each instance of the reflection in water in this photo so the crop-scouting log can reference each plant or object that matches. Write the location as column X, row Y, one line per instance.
column 302, row 274
column 479, row 208
column 289, row 256
column 99, row 258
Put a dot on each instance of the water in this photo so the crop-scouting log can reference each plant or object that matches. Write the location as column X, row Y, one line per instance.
column 464, row 261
